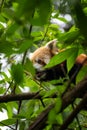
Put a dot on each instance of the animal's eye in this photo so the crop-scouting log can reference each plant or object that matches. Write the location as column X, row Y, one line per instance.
column 39, row 61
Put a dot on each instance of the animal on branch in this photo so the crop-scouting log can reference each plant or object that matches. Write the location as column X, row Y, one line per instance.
column 42, row 57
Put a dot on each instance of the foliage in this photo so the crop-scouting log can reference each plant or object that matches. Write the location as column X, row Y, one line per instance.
column 24, row 26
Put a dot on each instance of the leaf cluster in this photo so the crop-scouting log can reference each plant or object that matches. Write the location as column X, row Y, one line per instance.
column 26, row 25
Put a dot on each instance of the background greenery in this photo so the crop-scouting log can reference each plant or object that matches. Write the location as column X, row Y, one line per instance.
column 26, row 25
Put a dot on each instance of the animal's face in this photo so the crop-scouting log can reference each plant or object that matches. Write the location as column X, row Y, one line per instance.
column 42, row 55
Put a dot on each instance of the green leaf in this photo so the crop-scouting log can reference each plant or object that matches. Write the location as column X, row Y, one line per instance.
column 8, row 122
column 33, row 86
column 22, row 125
column 59, row 119
column 69, row 36
column 30, row 109
column 8, row 13
column 5, row 76
column 2, row 19
column 60, row 57
column 72, row 58
column 62, row 19
column 36, row 34
column 11, row 29
column 10, row 106
column 44, row 10
column 81, row 18
column 81, row 74
column 58, row 105
column 2, row 90
column 50, row 93
column 85, row 10
column 2, row 106
column 6, row 48
column 25, row 45
column 40, row 8
column 1, row 26
column 17, row 73
column 28, row 66
column 26, row 7
column 51, row 116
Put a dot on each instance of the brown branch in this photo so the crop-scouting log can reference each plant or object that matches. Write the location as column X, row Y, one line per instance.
column 78, row 91
column 19, row 107
column 30, row 30
column 77, row 118
column 23, row 96
column 1, row 5
column 67, row 99
column 19, row 97
column 74, row 75
column 7, row 126
column 38, row 124
column 25, row 53
column 71, row 117
column 45, row 33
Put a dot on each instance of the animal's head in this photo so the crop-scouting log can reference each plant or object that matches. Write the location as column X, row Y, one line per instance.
column 42, row 55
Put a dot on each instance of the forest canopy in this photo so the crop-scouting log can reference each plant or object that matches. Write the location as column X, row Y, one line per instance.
column 30, row 104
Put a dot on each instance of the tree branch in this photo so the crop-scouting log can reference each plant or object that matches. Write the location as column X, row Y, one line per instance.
column 1, row 5
column 38, row 124
column 19, row 107
column 71, row 117
column 67, row 99
column 7, row 126
column 19, row 97
column 79, row 91
column 30, row 30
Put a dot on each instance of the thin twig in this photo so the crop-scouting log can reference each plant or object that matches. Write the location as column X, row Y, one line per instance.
column 14, row 88
column 30, row 30
column 19, row 107
column 42, row 102
column 8, row 87
column 7, row 126
column 45, row 33
column 25, row 53
column 1, row 5
column 68, row 98
column 71, row 117
column 36, row 81
column 73, row 76
column 24, row 56
column 77, row 119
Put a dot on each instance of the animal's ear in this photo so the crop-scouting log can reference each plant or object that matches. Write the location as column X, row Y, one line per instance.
column 51, row 44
